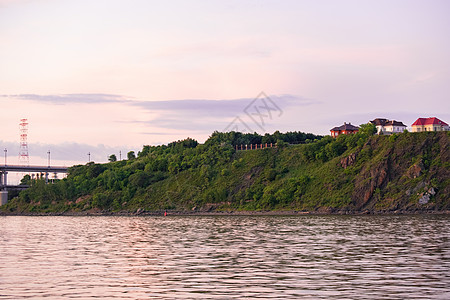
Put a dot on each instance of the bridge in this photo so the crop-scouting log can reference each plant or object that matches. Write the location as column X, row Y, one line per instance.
column 27, row 169
column 4, row 169
column 4, row 187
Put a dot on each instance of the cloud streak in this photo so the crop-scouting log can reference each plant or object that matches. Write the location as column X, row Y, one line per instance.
column 91, row 119
column 218, row 108
column 224, row 107
column 195, row 115
column 205, row 116
column 70, row 98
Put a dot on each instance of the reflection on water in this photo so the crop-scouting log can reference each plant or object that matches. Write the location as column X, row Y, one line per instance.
column 308, row 257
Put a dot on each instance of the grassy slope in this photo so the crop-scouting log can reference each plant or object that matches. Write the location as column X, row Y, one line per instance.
column 388, row 174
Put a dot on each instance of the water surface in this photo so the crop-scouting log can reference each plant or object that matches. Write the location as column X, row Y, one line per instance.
column 308, row 257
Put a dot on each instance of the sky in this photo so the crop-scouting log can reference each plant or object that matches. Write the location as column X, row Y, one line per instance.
column 101, row 77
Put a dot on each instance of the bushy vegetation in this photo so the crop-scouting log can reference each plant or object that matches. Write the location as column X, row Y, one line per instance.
column 306, row 172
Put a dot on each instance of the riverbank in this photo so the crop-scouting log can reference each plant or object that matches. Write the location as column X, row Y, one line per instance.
column 226, row 213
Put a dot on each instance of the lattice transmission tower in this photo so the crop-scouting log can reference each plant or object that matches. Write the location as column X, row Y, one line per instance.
column 24, row 159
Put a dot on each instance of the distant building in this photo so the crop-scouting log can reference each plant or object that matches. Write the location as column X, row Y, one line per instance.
column 429, row 124
column 344, row 129
column 385, row 126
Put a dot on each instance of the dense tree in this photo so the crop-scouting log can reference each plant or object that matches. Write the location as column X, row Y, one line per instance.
column 238, row 138
column 112, row 158
column 26, row 180
column 368, row 128
column 131, row 155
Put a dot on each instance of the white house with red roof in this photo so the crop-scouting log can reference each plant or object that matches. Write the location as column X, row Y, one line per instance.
column 429, row 124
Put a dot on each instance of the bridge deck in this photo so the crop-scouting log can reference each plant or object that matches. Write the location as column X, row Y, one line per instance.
column 45, row 169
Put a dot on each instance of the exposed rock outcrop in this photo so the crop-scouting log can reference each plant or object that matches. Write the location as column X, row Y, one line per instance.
column 368, row 181
column 408, row 176
column 415, row 170
column 348, row 161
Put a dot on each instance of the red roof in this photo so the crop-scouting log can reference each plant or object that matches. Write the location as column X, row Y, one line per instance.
column 429, row 121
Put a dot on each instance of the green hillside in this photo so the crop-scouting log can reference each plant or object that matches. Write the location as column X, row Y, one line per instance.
column 353, row 173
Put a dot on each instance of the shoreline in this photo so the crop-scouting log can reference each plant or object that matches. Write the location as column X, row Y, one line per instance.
column 143, row 213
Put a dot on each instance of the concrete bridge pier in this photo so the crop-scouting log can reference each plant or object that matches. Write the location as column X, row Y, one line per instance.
column 3, row 197
column 3, row 190
column 4, row 178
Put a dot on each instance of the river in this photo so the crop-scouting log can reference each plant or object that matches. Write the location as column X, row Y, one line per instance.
column 223, row 257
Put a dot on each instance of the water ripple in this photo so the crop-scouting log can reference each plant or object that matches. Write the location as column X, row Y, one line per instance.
column 312, row 257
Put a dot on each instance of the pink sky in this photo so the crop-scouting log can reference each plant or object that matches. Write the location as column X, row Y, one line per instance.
column 104, row 76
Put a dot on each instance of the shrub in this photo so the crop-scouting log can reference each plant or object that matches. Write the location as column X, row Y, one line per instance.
column 270, row 174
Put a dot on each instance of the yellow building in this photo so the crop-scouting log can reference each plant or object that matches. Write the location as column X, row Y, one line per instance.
column 429, row 124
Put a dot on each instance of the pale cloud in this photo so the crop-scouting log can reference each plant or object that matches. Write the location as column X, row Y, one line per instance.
column 69, row 98
column 427, row 76
column 189, row 107
column 115, row 119
column 217, row 108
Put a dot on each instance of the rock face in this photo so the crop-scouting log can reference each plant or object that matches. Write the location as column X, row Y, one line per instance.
column 414, row 190
column 407, row 176
column 348, row 161
column 368, row 181
column 415, row 170
column 424, row 199
column 432, row 192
